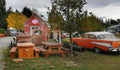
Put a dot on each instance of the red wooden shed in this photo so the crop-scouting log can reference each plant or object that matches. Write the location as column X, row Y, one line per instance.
column 37, row 28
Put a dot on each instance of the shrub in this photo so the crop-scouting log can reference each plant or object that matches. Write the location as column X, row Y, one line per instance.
column 2, row 30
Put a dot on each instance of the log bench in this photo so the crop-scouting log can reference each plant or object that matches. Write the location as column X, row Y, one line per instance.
column 12, row 52
column 37, row 51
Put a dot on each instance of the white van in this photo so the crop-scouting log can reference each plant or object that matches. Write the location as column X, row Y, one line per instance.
column 11, row 32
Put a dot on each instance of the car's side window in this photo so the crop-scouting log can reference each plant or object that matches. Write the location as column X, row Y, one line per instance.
column 101, row 36
column 85, row 36
column 92, row 37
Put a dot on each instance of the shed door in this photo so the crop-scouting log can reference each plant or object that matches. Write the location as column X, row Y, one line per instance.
column 32, row 28
column 37, row 37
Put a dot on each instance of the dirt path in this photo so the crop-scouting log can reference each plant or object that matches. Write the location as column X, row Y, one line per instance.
column 4, row 43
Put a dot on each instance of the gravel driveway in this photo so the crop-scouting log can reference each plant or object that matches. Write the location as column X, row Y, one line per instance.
column 4, row 43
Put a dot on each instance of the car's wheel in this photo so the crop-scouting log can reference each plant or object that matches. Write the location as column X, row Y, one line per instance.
column 97, row 50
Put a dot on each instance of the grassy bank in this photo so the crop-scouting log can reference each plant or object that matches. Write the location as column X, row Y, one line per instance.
column 86, row 60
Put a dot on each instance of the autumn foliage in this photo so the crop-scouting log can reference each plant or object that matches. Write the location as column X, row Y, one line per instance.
column 16, row 20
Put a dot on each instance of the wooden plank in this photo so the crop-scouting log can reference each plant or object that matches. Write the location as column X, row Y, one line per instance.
column 13, row 49
column 66, row 50
column 17, row 60
column 37, row 51
column 12, row 52
column 25, row 50
column 42, row 49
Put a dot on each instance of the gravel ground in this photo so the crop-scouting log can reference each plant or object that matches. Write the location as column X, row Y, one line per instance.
column 4, row 43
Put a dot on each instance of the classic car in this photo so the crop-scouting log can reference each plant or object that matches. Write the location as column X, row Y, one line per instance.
column 98, row 41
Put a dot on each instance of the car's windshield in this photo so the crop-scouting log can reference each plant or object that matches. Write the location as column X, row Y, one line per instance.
column 13, row 31
column 106, row 36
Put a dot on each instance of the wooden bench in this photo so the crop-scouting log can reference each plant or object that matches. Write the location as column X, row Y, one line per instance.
column 66, row 50
column 43, row 51
column 12, row 52
column 48, row 52
column 37, row 51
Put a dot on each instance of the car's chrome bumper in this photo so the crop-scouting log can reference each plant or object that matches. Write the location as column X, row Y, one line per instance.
column 114, row 49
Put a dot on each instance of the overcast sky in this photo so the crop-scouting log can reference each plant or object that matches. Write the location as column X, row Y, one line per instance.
column 101, row 8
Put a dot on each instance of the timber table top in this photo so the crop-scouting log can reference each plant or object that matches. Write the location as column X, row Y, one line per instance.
column 27, row 44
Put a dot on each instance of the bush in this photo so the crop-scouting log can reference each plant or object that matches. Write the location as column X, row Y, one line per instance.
column 2, row 30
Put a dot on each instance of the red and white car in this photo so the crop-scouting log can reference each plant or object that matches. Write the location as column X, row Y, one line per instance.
column 99, row 41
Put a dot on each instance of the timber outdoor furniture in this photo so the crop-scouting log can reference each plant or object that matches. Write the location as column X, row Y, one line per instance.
column 37, row 51
column 49, row 48
column 66, row 50
column 13, row 52
column 26, row 50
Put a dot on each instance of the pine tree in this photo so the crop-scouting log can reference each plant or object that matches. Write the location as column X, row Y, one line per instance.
column 3, row 14
column 27, row 12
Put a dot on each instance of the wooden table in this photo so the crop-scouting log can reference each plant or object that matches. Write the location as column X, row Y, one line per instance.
column 25, row 50
column 52, row 48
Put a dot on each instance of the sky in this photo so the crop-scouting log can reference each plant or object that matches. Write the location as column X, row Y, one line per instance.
column 101, row 8
column 104, row 8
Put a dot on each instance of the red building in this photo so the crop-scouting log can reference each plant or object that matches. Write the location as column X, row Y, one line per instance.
column 37, row 28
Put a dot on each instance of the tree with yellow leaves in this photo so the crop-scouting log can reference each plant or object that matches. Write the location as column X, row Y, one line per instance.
column 16, row 20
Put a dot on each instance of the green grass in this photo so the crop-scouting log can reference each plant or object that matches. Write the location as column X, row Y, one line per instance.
column 66, row 40
column 86, row 60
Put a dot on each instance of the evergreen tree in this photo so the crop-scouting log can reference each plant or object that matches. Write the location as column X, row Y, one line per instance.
column 92, row 23
column 118, row 20
column 114, row 22
column 27, row 12
column 3, row 14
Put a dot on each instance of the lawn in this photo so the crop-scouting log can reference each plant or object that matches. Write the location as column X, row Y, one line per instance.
column 86, row 60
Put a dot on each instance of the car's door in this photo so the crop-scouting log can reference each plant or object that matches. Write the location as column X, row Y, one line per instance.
column 92, row 38
column 84, row 41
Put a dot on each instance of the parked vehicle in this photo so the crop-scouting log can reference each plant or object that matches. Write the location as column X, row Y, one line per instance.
column 65, row 35
column 99, row 41
column 11, row 32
